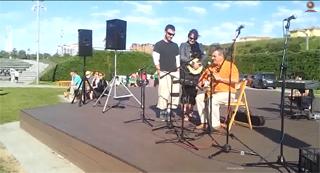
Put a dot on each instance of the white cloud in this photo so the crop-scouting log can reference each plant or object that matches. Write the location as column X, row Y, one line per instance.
column 222, row 5
column 9, row 15
column 247, row 3
column 178, row 20
column 227, row 4
column 139, row 7
column 155, row 2
column 197, row 10
column 269, row 27
column 222, row 34
column 285, row 12
column 94, row 7
column 143, row 20
column 107, row 14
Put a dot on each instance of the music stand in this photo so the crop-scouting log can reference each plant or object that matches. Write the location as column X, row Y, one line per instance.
column 283, row 69
column 83, row 83
column 142, row 83
column 113, row 85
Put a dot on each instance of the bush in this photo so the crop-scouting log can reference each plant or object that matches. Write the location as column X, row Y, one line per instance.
column 103, row 61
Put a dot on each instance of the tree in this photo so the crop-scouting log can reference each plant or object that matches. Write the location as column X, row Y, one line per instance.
column 4, row 54
column 22, row 54
column 14, row 53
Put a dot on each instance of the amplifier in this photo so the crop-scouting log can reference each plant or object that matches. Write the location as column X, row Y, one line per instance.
column 255, row 119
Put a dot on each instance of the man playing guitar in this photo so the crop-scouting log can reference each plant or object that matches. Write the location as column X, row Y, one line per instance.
column 192, row 58
column 218, row 72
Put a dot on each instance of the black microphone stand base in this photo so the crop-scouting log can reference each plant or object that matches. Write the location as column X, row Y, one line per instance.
column 179, row 139
column 281, row 161
column 208, row 131
column 169, row 125
column 144, row 120
column 226, row 148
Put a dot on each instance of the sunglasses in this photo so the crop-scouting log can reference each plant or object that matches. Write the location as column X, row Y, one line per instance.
column 192, row 38
column 171, row 34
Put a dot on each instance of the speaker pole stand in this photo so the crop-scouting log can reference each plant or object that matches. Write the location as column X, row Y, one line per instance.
column 83, row 84
column 114, row 86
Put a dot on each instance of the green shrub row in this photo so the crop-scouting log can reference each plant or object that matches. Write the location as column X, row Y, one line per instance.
column 304, row 62
column 102, row 61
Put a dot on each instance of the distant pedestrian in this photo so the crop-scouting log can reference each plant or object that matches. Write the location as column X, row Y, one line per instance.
column 16, row 76
column 12, row 71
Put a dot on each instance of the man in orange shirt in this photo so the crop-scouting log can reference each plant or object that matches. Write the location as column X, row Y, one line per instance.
column 219, row 72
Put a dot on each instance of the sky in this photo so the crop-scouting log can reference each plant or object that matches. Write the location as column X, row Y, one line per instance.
column 216, row 21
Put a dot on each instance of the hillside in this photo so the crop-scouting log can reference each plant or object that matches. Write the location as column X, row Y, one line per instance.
column 103, row 61
column 251, row 57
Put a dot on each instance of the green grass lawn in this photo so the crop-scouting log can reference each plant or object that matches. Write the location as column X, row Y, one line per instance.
column 12, row 100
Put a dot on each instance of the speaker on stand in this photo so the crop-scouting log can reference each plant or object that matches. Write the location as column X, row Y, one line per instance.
column 116, row 40
column 116, row 34
column 85, row 49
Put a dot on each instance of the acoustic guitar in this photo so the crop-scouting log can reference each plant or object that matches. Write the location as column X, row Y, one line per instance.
column 195, row 70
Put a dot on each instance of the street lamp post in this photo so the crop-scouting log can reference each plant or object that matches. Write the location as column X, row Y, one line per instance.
column 307, row 38
column 38, row 39
column 37, row 8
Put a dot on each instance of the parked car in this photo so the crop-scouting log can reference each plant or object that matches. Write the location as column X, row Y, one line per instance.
column 248, row 77
column 264, row 80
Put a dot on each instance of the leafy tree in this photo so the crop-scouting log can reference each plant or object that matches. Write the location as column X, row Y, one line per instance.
column 4, row 54
column 22, row 54
column 14, row 53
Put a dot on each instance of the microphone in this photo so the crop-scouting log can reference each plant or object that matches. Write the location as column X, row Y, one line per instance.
column 140, row 69
column 289, row 18
column 240, row 27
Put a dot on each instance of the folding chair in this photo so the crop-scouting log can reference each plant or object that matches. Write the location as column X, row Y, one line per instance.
column 241, row 101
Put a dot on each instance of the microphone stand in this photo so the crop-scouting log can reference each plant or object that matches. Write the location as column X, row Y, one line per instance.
column 142, row 83
column 179, row 136
column 207, row 130
column 169, row 123
column 227, row 147
column 283, row 68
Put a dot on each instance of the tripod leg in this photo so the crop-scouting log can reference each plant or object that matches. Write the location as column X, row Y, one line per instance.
column 76, row 93
column 130, row 93
column 111, row 87
column 104, row 91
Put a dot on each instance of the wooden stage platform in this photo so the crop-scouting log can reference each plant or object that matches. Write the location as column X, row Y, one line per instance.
column 103, row 142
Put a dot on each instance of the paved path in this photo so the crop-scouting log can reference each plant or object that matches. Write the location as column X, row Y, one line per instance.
column 34, row 156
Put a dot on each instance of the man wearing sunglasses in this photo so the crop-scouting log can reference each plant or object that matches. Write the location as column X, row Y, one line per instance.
column 167, row 60
column 192, row 57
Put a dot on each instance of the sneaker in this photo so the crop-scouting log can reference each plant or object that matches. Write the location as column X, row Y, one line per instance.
column 162, row 114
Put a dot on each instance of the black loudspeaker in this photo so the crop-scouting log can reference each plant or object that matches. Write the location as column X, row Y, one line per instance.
column 85, row 42
column 116, row 34
column 255, row 119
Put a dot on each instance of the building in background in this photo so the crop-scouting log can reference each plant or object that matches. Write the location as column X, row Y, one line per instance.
column 253, row 38
column 310, row 32
column 71, row 49
column 146, row 48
